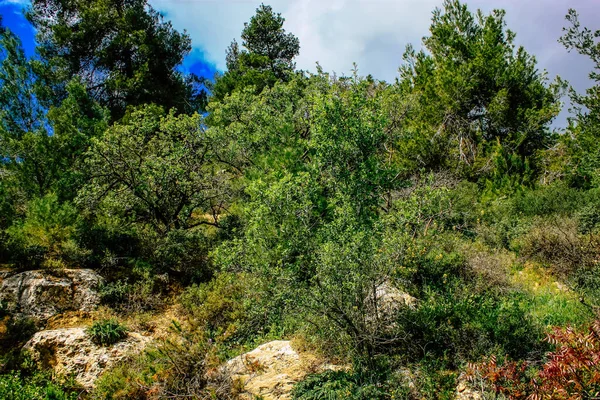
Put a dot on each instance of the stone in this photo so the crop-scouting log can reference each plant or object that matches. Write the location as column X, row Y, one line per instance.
column 71, row 351
column 464, row 392
column 390, row 299
column 383, row 305
column 271, row 370
column 41, row 294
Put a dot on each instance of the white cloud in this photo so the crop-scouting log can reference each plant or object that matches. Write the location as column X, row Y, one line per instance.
column 374, row 33
column 19, row 2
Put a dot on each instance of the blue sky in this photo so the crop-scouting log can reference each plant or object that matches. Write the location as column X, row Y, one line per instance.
column 12, row 17
column 372, row 33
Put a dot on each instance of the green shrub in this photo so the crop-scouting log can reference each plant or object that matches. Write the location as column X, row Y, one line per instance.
column 14, row 332
column 107, row 332
column 336, row 385
column 182, row 365
column 114, row 293
column 37, row 387
column 47, row 236
column 557, row 244
column 459, row 324
column 141, row 289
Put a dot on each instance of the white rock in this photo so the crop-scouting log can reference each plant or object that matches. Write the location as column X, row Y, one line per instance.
column 271, row 370
column 71, row 351
column 41, row 294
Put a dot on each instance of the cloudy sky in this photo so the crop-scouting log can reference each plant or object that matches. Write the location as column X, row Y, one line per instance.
column 372, row 33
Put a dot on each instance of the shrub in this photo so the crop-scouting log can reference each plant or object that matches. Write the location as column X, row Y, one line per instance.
column 47, row 235
column 571, row 371
column 460, row 324
column 107, row 332
column 182, row 365
column 557, row 244
column 37, row 387
column 114, row 293
column 141, row 290
column 336, row 385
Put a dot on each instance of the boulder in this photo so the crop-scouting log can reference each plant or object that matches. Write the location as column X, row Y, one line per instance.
column 464, row 392
column 41, row 294
column 383, row 305
column 71, row 351
column 271, row 370
column 390, row 299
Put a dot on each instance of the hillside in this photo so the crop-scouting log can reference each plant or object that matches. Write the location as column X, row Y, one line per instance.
column 279, row 234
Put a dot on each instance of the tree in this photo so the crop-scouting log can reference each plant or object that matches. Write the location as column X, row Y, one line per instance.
column 25, row 146
column 156, row 169
column 123, row 52
column 582, row 141
column 267, row 57
column 480, row 105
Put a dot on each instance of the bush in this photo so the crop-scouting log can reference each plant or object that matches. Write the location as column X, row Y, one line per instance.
column 107, row 332
column 114, row 293
column 14, row 332
column 182, row 365
column 557, row 244
column 571, row 371
column 460, row 324
column 141, row 290
column 236, row 309
column 47, row 235
column 336, row 385
column 38, row 387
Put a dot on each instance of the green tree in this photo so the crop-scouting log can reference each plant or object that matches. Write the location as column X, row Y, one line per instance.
column 24, row 142
column 480, row 104
column 584, row 131
column 123, row 52
column 157, row 169
column 267, row 57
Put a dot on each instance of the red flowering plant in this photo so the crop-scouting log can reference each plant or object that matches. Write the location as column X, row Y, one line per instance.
column 570, row 372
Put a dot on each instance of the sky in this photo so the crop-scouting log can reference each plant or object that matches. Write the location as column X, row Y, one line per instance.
column 372, row 33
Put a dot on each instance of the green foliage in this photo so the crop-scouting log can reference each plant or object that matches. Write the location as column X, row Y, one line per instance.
column 123, row 52
column 181, row 365
column 267, row 57
column 47, row 236
column 107, row 332
column 406, row 228
column 37, row 387
column 153, row 174
column 480, row 104
column 461, row 324
column 336, row 385
column 154, row 167
column 581, row 144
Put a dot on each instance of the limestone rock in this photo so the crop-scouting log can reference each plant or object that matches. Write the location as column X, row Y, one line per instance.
column 464, row 392
column 41, row 294
column 383, row 305
column 390, row 299
column 271, row 370
column 71, row 351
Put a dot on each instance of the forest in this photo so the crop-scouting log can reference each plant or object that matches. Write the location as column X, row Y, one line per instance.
column 434, row 237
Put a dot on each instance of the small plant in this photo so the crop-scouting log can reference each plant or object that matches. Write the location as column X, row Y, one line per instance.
column 107, row 332
column 336, row 385
column 570, row 372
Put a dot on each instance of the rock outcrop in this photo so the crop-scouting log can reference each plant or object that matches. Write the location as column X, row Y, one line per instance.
column 464, row 392
column 383, row 304
column 71, row 351
column 271, row 370
column 390, row 299
column 41, row 294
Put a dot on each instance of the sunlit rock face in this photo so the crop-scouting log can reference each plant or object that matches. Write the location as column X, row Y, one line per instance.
column 71, row 351
column 41, row 294
column 271, row 370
